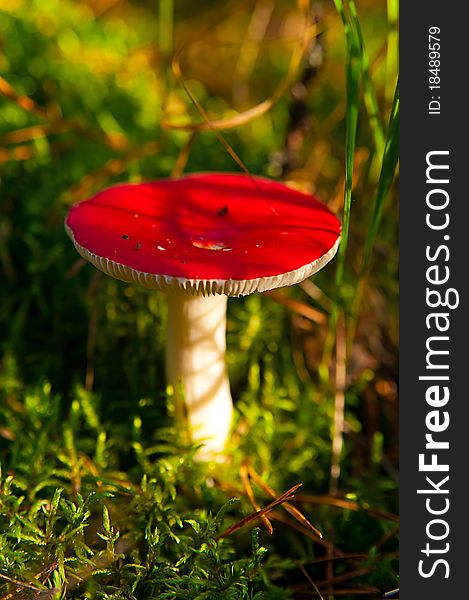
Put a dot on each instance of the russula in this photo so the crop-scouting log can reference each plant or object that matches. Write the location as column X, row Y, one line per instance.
column 200, row 239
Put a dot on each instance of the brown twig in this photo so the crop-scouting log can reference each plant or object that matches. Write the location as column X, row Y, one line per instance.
column 347, row 505
column 20, row 584
column 288, row 507
column 250, row 494
column 24, row 102
column 309, row 32
column 308, row 577
column 339, row 404
column 183, row 156
column 298, row 307
column 260, row 513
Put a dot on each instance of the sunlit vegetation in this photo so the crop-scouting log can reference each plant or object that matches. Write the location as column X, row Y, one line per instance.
column 100, row 496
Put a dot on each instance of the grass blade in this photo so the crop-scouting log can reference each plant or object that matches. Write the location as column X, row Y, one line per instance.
column 353, row 74
column 390, row 158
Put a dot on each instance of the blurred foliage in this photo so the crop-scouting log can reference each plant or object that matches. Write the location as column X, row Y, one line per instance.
column 99, row 498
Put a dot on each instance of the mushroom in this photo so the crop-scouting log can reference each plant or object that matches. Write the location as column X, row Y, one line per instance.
column 200, row 239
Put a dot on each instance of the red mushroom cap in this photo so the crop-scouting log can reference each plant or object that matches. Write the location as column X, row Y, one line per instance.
column 210, row 233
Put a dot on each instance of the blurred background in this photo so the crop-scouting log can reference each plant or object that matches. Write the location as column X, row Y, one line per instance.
column 95, row 92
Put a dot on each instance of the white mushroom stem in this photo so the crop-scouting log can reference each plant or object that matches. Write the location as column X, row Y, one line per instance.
column 196, row 368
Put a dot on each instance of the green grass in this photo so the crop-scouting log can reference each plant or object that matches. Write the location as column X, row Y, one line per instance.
column 99, row 494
